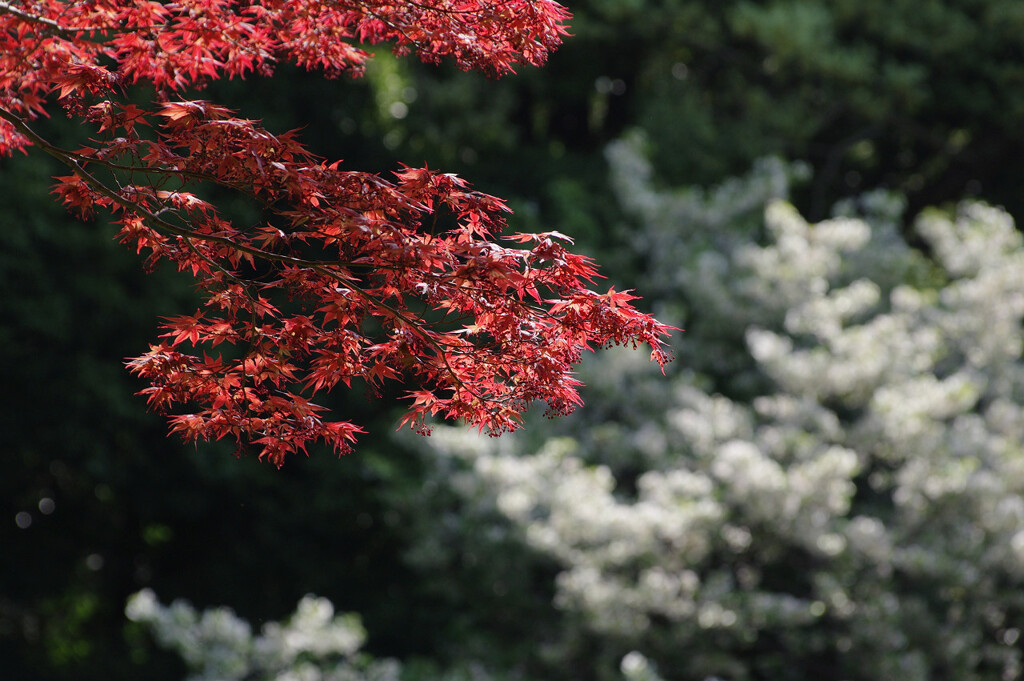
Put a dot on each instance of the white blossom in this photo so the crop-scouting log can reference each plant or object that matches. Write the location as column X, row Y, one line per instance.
column 313, row 645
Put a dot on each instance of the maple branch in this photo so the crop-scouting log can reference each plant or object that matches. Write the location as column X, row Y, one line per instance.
column 445, row 10
column 55, row 26
column 69, row 159
column 150, row 170
column 8, row 8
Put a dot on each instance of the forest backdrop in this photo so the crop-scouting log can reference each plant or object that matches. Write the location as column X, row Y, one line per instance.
column 802, row 344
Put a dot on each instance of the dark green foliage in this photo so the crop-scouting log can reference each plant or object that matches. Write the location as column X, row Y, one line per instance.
column 112, row 504
column 74, row 304
column 921, row 96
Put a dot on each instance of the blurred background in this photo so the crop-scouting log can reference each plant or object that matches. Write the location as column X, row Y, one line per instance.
column 827, row 483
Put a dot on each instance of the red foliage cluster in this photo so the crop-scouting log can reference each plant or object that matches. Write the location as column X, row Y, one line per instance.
column 348, row 276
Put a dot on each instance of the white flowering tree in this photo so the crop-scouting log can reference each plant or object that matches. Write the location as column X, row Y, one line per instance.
column 312, row 644
column 216, row 645
column 831, row 484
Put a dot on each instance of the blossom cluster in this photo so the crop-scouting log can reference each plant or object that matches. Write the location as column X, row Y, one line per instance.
column 313, row 645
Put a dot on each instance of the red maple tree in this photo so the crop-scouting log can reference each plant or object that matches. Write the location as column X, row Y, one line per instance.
column 349, row 277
